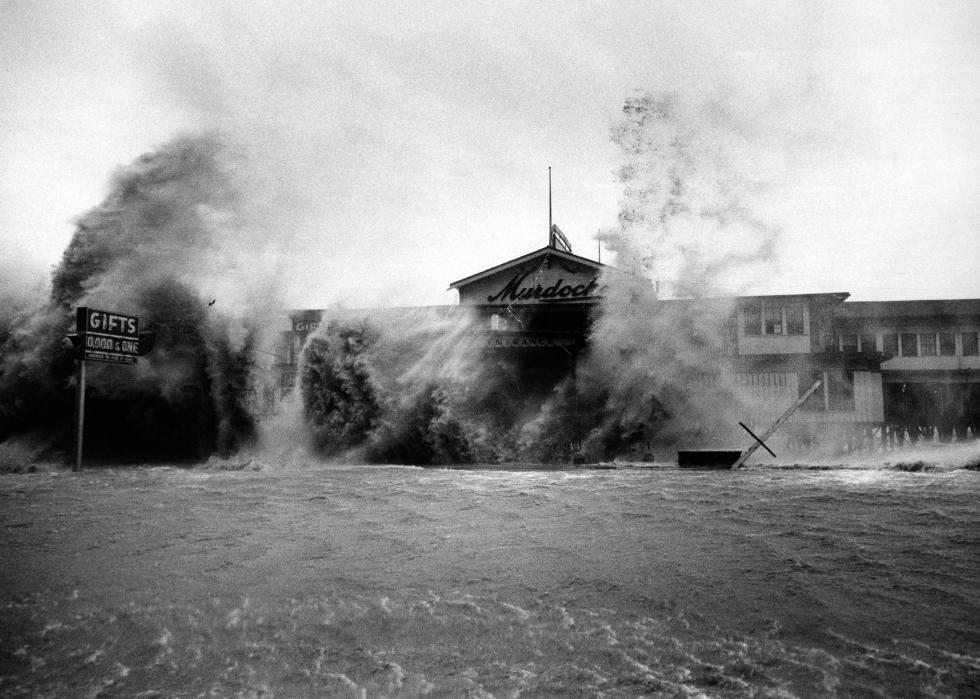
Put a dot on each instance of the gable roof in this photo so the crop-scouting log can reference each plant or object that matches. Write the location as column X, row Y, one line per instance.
column 547, row 250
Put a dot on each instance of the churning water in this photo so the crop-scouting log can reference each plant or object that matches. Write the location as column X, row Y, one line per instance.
column 307, row 580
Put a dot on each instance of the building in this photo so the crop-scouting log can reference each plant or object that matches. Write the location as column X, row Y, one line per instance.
column 930, row 362
column 773, row 348
column 890, row 372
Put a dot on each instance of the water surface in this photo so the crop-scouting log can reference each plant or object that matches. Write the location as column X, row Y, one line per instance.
column 300, row 579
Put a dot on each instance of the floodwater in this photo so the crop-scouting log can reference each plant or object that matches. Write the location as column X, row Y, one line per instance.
column 291, row 578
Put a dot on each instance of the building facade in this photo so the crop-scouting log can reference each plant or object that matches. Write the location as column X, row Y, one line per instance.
column 930, row 362
column 891, row 373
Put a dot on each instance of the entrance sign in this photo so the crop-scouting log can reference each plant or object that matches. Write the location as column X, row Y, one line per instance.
column 107, row 336
column 547, row 276
column 517, row 290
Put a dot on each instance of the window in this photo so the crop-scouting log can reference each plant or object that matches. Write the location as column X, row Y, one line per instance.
column 765, row 318
column 753, row 318
column 848, row 343
column 910, row 345
column 969, row 344
column 927, row 344
column 947, row 344
column 774, row 321
column 889, row 345
column 794, row 320
column 498, row 322
column 868, row 343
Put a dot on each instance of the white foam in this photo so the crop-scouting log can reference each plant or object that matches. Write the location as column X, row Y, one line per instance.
column 522, row 614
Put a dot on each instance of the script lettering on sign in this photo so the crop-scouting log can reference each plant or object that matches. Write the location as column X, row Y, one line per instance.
column 516, row 290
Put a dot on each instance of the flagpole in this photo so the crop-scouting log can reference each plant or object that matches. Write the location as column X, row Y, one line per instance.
column 551, row 235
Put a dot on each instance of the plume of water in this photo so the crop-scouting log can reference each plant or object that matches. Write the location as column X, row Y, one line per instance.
column 413, row 386
column 174, row 242
column 404, row 388
column 657, row 367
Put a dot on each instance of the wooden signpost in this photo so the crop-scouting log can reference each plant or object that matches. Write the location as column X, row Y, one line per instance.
column 102, row 336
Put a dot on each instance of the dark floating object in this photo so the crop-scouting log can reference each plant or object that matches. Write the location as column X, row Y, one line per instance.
column 716, row 459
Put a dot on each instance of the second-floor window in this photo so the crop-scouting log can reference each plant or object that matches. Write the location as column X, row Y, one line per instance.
column 889, row 345
column 753, row 318
column 770, row 318
column 969, row 344
column 928, row 344
column 947, row 344
column 910, row 344
column 774, row 320
column 863, row 342
column 794, row 319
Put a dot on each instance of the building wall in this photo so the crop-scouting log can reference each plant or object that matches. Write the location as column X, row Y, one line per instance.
column 790, row 344
column 868, row 403
column 931, row 361
column 944, row 364
column 770, row 394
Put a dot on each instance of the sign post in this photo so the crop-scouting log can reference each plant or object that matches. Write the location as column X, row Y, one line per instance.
column 79, row 414
column 104, row 336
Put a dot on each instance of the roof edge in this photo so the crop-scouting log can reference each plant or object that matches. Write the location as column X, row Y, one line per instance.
column 547, row 250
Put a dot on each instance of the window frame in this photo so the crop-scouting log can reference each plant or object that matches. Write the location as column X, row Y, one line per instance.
column 890, row 339
column 951, row 338
column 789, row 330
column 901, row 344
column 750, row 311
column 849, row 342
column 772, row 316
column 975, row 344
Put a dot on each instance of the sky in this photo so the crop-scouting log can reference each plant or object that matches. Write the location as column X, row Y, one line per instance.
column 402, row 146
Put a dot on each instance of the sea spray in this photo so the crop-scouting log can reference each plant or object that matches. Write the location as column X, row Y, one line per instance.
column 657, row 371
column 690, row 175
column 422, row 387
column 413, row 386
column 686, row 226
column 170, row 243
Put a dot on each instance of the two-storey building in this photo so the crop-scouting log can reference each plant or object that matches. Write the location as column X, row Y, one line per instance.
column 931, row 362
column 890, row 372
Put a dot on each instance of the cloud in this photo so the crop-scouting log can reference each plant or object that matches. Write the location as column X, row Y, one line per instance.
column 417, row 137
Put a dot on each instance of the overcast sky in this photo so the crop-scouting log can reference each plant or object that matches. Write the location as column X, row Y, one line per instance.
column 408, row 143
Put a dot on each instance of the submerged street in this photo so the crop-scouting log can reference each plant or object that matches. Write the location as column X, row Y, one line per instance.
column 293, row 579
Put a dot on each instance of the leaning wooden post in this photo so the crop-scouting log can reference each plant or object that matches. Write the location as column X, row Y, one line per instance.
column 776, row 425
column 79, row 413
